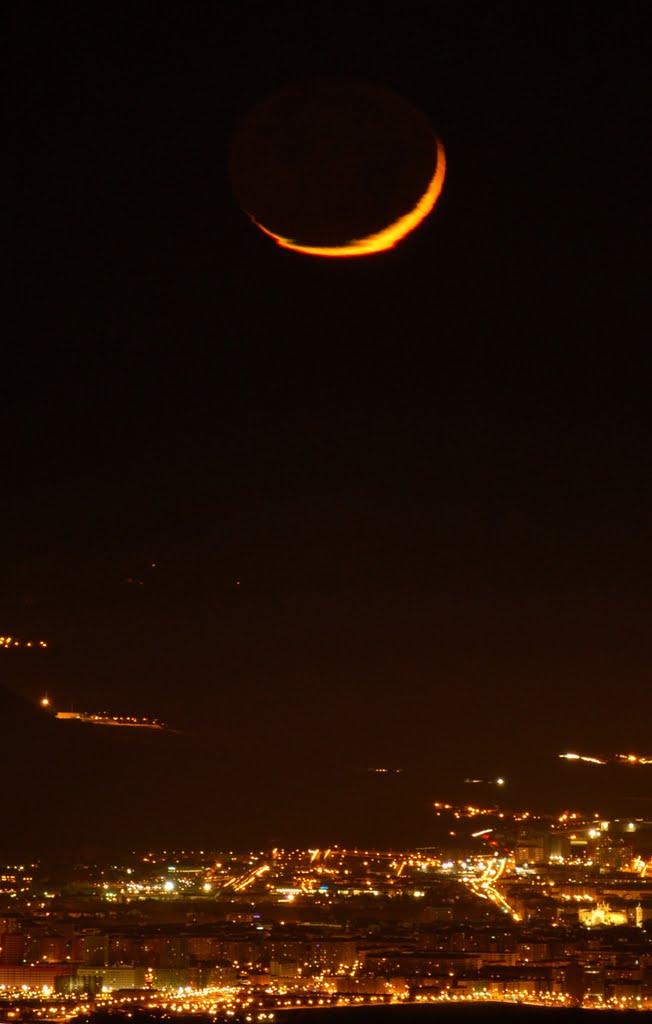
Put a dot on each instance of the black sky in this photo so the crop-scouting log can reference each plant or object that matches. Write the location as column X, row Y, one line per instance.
column 429, row 470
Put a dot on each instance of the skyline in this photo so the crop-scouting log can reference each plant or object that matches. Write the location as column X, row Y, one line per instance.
column 504, row 908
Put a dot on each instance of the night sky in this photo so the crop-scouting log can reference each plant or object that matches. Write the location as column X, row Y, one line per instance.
column 399, row 506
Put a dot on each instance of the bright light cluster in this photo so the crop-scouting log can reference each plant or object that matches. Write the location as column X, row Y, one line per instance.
column 615, row 759
column 12, row 641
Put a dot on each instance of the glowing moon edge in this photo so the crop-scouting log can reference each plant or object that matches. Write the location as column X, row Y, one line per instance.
column 385, row 239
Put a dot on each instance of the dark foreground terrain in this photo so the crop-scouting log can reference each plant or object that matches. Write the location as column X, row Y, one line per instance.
column 475, row 1014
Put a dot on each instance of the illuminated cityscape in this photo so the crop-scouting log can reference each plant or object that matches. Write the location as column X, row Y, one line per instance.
column 531, row 908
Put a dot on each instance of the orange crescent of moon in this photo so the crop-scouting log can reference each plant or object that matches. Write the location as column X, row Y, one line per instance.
column 382, row 240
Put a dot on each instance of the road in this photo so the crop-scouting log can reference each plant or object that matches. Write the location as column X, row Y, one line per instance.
column 484, row 885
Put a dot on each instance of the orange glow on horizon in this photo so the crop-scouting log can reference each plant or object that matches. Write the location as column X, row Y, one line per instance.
column 382, row 240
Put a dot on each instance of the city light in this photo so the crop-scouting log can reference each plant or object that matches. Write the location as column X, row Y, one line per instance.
column 13, row 642
column 524, row 879
column 620, row 759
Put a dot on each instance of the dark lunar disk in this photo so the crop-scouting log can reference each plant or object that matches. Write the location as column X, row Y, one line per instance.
column 326, row 162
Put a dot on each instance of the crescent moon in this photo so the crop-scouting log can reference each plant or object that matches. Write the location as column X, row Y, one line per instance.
column 385, row 239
